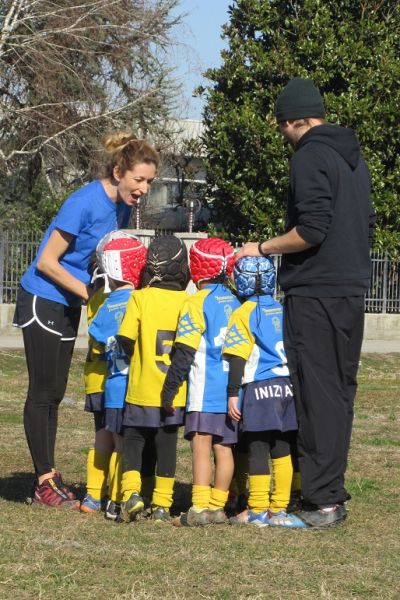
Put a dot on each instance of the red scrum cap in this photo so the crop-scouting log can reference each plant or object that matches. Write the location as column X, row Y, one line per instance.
column 211, row 258
column 122, row 257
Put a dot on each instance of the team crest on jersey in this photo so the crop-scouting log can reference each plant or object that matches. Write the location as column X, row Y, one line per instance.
column 119, row 316
column 227, row 311
column 186, row 326
column 234, row 337
column 277, row 324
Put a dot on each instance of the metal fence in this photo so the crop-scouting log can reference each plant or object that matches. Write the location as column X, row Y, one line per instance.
column 18, row 249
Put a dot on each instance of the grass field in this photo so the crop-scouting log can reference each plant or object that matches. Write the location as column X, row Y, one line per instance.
column 48, row 553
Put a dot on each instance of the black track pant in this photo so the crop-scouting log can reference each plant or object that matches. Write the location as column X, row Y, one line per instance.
column 265, row 444
column 322, row 338
column 48, row 360
column 165, row 442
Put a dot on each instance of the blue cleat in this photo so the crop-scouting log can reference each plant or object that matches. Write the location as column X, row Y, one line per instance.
column 90, row 505
column 285, row 520
column 248, row 517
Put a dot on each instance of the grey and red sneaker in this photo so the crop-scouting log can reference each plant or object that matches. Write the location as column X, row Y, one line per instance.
column 59, row 480
column 50, row 494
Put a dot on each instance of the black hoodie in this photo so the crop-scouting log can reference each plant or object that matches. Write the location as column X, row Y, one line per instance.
column 329, row 204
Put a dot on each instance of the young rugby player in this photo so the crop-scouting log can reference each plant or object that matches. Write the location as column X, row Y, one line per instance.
column 257, row 360
column 197, row 353
column 121, row 258
column 147, row 333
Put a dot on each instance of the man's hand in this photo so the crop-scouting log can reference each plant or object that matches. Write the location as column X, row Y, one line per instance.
column 249, row 249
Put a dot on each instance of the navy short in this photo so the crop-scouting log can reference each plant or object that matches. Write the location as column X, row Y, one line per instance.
column 52, row 316
column 94, row 402
column 269, row 405
column 113, row 420
column 151, row 416
column 219, row 425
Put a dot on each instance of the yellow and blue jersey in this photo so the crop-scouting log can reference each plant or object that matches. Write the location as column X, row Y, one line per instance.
column 103, row 330
column 255, row 334
column 95, row 369
column 150, row 320
column 202, row 326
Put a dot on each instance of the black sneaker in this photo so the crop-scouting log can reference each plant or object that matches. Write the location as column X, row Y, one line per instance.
column 113, row 510
column 132, row 507
column 321, row 518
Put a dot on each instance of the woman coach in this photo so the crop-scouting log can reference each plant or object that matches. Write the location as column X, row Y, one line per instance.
column 54, row 287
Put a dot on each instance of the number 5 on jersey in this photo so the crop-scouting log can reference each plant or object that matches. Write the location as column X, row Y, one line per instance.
column 164, row 340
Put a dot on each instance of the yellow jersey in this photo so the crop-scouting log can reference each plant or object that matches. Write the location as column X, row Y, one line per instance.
column 151, row 320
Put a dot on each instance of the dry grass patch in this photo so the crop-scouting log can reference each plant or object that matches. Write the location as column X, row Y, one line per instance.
column 49, row 552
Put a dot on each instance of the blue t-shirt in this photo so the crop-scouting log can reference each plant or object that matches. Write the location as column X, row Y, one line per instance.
column 202, row 326
column 88, row 214
column 103, row 329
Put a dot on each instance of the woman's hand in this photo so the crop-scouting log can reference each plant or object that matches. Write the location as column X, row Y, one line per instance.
column 49, row 264
column 233, row 411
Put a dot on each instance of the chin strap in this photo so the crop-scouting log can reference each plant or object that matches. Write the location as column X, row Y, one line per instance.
column 97, row 274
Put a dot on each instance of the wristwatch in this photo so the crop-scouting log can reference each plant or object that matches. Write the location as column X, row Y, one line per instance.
column 261, row 251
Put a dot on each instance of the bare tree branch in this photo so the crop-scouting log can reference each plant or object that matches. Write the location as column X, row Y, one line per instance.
column 50, row 139
column 70, row 69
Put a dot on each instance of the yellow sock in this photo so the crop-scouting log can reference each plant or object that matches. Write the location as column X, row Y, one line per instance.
column 282, row 473
column 259, row 492
column 147, row 486
column 163, row 492
column 241, row 471
column 201, row 496
column 296, row 482
column 131, row 483
column 97, row 472
column 218, row 498
column 115, row 477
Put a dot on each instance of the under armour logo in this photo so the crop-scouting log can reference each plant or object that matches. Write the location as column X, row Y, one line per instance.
column 50, row 322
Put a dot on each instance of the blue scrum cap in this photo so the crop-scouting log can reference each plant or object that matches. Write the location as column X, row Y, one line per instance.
column 254, row 276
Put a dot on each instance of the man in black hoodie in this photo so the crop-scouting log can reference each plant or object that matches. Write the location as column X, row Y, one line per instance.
column 325, row 273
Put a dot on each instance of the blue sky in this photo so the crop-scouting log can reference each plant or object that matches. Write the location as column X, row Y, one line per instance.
column 199, row 48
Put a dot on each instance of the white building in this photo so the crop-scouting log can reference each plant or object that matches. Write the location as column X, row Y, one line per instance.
column 180, row 185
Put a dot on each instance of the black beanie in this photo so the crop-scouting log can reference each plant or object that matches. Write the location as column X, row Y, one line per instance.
column 299, row 99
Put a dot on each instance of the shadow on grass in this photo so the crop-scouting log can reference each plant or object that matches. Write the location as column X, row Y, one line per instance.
column 18, row 487
column 182, row 497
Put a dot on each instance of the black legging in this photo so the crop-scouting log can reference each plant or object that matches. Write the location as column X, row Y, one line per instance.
column 263, row 444
column 165, row 441
column 48, row 360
